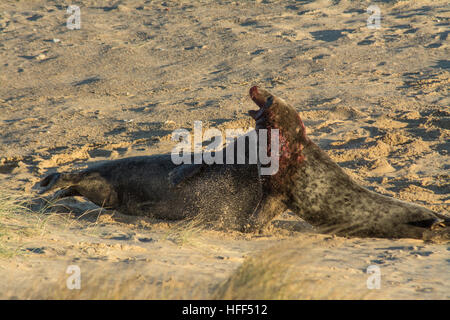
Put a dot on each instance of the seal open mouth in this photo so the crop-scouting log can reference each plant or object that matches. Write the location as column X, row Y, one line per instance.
column 257, row 97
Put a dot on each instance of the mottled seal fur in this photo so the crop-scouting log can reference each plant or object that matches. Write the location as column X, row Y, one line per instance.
column 314, row 187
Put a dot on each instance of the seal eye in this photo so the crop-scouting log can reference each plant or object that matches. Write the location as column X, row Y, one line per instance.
column 269, row 101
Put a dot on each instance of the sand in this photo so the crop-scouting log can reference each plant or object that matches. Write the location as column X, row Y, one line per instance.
column 376, row 100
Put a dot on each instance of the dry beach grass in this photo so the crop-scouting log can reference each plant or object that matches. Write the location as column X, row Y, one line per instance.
column 376, row 100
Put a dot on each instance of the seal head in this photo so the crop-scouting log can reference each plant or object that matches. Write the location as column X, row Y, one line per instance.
column 275, row 113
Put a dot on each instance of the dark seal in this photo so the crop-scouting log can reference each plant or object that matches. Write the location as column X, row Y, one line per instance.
column 314, row 187
column 307, row 182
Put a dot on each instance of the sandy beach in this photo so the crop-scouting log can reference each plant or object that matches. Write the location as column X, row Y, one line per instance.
column 375, row 99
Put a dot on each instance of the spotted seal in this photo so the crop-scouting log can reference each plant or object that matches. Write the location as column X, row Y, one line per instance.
column 308, row 183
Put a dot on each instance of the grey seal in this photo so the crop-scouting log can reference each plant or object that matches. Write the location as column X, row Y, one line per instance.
column 313, row 186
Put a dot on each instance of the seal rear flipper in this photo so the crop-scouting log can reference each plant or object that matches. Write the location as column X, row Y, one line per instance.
column 441, row 235
column 64, row 193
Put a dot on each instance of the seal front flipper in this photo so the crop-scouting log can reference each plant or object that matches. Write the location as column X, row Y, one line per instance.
column 58, row 181
column 322, row 193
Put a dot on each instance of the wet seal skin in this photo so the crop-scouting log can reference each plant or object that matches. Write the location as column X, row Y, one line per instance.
column 313, row 186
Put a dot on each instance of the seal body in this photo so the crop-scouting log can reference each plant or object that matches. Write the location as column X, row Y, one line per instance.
column 154, row 186
column 314, row 187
